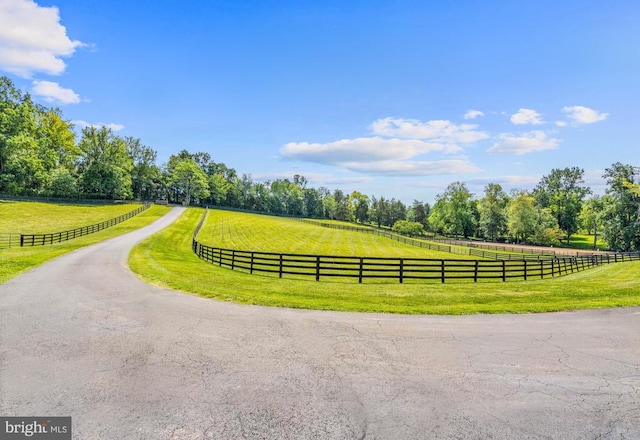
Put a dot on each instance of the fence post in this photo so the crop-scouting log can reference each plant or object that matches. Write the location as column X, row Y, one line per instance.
column 475, row 272
column 360, row 270
column 280, row 271
column 401, row 274
column 553, row 268
column 525, row 270
column 318, row 268
column 251, row 265
column 442, row 271
column 233, row 259
column 21, row 240
column 504, row 271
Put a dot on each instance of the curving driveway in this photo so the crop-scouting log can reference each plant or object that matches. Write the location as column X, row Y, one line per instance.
column 82, row 336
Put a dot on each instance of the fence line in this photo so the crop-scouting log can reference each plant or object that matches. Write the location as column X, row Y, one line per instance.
column 400, row 269
column 400, row 238
column 8, row 240
column 57, row 237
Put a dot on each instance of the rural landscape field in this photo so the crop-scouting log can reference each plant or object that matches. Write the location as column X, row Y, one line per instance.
column 335, row 220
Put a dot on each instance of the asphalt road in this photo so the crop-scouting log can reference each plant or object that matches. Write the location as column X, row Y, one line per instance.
column 81, row 336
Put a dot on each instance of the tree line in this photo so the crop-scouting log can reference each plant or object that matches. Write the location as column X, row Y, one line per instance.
column 40, row 156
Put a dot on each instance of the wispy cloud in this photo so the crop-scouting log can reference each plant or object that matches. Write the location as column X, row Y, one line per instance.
column 32, row 39
column 526, row 143
column 414, row 168
column 580, row 115
column 438, row 130
column 371, row 149
column 52, row 92
column 527, row 116
column 472, row 114
column 111, row 125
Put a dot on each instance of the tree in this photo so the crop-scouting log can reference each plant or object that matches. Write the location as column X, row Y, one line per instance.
column 190, row 180
column 378, row 210
column 529, row 223
column 493, row 212
column 145, row 175
column 521, row 217
column 453, row 212
column 405, row 227
column 562, row 193
column 105, row 164
column 621, row 214
column 358, row 206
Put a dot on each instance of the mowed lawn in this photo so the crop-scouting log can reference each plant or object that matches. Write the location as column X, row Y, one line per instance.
column 16, row 260
column 166, row 259
column 39, row 218
column 263, row 233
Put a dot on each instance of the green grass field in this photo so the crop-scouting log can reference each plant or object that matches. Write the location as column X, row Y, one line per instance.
column 16, row 260
column 584, row 241
column 166, row 259
column 254, row 232
column 42, row 218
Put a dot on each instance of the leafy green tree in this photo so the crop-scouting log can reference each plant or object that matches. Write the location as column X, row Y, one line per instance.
column 419, row 212
column 312, row 202
column 405, row 227
column 329, row 207
column 454, row 213
column 63, row 184
column 342, row 208
column 378, row 210
column 621, row 214
column 358, row 207
column 590, row 213
column 218, row 188
column 493, row 212
column 145, row 174
column 562, row 192
column 521, row 217
column 105, row 164
column 190, row 180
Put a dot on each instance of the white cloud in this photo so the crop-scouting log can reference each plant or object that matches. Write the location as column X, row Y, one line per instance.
column 52, row 92
column 472, row 114
column 32, row 39
column 526, row 143
column 510, row 181
column 362, row 150
column 113, row 126
column 561, row 123
column 584, row 115
column 414, row 168
column 317, row 179
column 527, row 116
column 439, row 130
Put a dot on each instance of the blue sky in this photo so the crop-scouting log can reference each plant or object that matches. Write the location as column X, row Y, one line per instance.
column 392, row 98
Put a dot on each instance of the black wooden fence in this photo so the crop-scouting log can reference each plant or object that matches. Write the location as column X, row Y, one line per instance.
column 57, row 237
column 8, row 240
column 400, row 269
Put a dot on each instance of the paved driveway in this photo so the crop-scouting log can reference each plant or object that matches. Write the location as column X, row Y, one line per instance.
column 82, row 336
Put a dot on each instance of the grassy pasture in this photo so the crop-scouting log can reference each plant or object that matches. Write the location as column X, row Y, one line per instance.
column 43, row 218
column 255, row 232
column 16, row 260
column 584, row 241
column 166, row 259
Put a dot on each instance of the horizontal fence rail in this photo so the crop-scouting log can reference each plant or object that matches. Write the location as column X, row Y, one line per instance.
column 57, row 237
column 8, row 240
column 399, row 269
